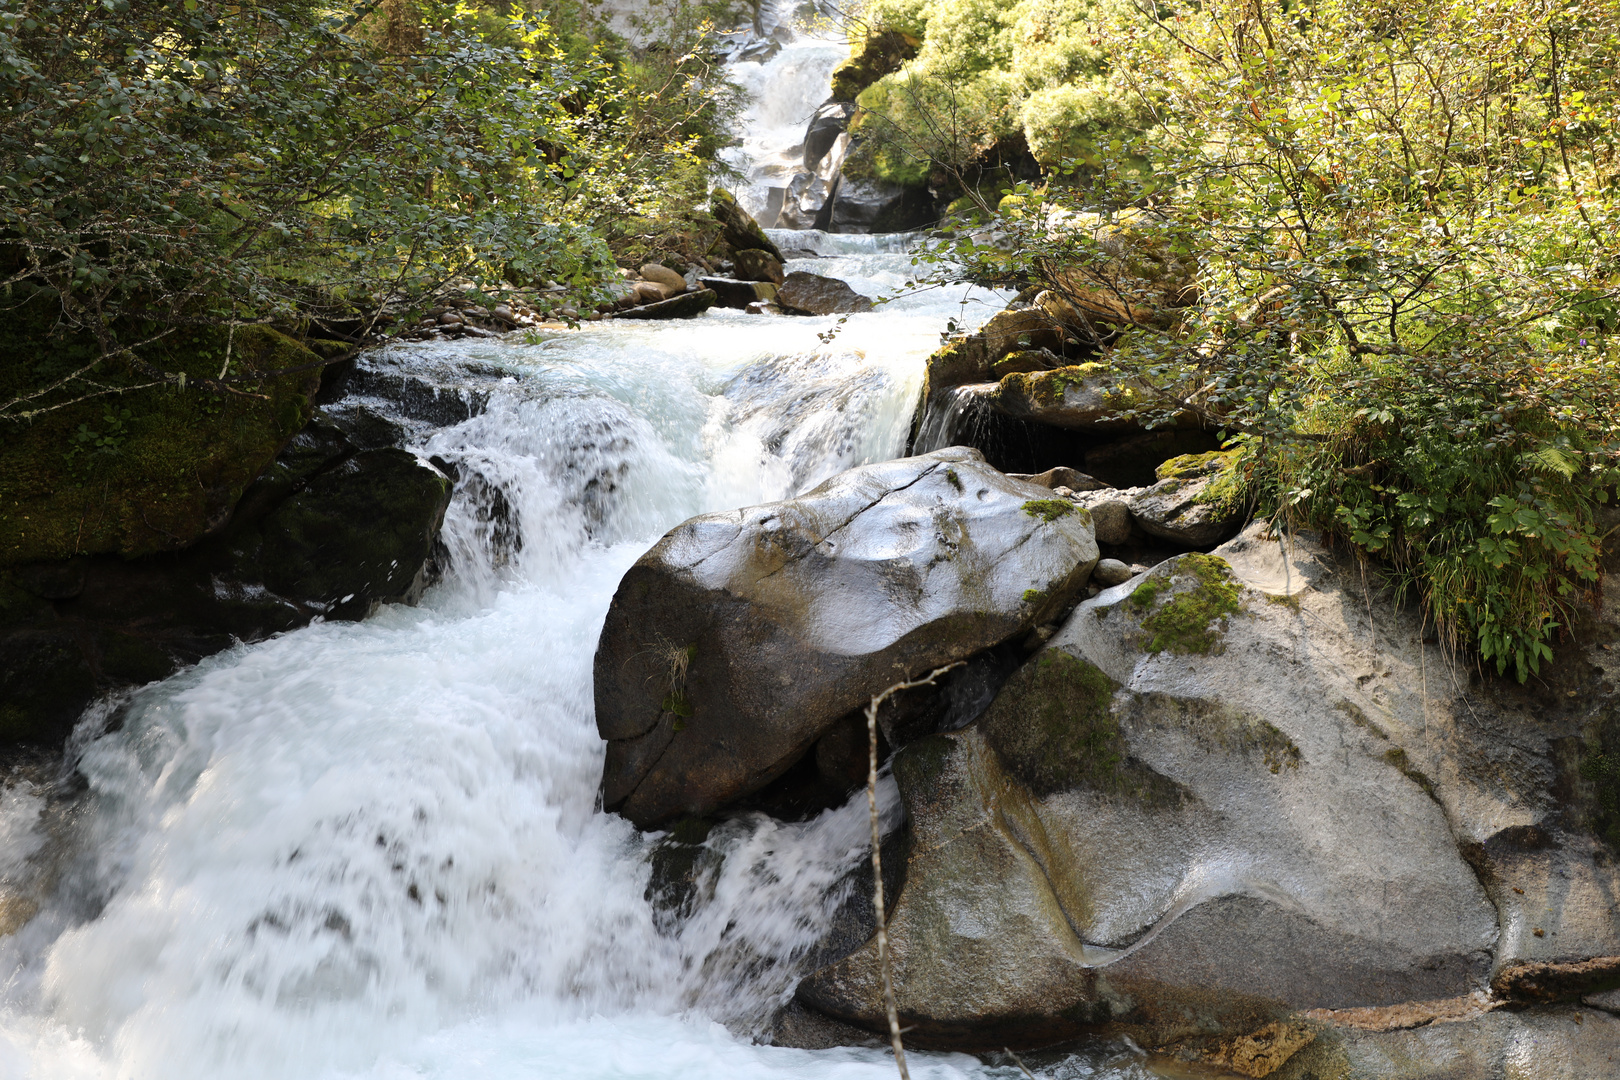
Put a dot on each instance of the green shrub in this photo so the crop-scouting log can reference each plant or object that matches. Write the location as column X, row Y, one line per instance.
column 1402, row 235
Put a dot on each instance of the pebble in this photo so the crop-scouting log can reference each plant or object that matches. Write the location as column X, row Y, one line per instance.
column 1110, row 572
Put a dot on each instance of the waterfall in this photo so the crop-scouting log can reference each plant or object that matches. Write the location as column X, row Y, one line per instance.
column 373, row 849
column 950, row 415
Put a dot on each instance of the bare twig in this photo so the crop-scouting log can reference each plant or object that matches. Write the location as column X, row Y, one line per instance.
column 877, row 857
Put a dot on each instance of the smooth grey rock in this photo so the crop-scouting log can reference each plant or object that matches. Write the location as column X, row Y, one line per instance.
column 741, row 637
column 1568, row 1043
column 684, row 306
column 1111, row 571
column 1110, row 514
column 812, row 294
column 1227, row 824
column 1608, row 1001
column 755, row 265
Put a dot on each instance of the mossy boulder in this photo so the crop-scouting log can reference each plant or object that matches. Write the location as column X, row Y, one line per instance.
column 1147, row 835
column 359, row 532
column 1198, row 500
column 1076, row 396
column 148, row 470
column 328, row 530
column 872, row 57
column 739, row 230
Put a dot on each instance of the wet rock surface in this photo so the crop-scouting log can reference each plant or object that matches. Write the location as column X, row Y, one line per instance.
column 684, row 306
column 340, row 522
column 811, row 294
column 755, row 265
column 1221, row 813
column 741, row 638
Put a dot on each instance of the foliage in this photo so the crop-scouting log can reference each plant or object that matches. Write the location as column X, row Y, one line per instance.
column 1380, row 243
column 165, row 163
column 990, row 80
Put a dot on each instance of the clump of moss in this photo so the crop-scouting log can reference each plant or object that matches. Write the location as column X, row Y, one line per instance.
column 955, row 481
column 1048, row 510
column 149, row 469
column 870, row 59
column 1034, row 597
column 1052, row 726
column 1215, row 726
column 1187, row 621
column 1048, row 387
column 1226, row 487
column 1599, row 772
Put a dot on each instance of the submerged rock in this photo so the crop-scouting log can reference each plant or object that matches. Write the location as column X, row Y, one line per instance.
column 812, row 294
column 742, row 637
column 1222, row 816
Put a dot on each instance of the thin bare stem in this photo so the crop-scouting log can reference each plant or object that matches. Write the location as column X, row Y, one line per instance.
column 877, row 858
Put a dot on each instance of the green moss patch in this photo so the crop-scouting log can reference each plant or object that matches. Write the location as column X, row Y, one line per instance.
column 147, row 470
column 1396, row 757
column 1215, row 727
column 869, row 60
column 1052, row 726
column 1188, row 621
column 1048, row 510
column 1225, row 487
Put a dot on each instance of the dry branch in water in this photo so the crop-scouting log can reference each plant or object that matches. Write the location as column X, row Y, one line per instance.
column 877, row 857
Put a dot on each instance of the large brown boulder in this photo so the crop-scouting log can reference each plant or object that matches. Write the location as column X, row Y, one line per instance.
column 812, row 294
column 741, row 638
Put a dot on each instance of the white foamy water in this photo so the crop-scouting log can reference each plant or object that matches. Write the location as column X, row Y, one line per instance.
column 373, row 850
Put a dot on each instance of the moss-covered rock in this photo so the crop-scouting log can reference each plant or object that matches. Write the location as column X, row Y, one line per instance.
column 1198, row 499
column 1185, row 604
column 738, row 228
column 871, row 58
column 148, row 470
column 328, row 530
column 361, row 530
column 1052, row 726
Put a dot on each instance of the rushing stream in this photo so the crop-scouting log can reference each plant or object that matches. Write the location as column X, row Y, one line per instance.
column 372, row 849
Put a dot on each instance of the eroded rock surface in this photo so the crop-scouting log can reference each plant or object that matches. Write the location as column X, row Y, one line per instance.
column 742, row 637
column 1222, row 813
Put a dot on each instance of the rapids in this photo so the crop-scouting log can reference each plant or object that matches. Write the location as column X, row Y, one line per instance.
column 373, row 849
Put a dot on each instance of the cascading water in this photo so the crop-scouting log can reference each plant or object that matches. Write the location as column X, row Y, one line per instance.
column 373, row 849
